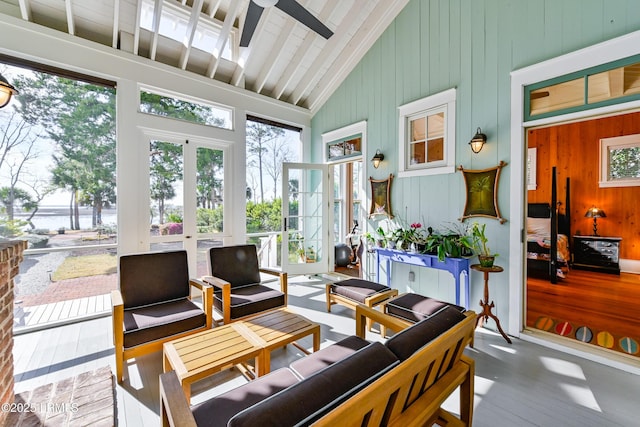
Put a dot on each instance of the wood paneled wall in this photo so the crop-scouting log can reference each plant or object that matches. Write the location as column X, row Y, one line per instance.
column 574, row 149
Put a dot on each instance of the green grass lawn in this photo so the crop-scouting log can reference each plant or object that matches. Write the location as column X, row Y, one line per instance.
column 86, row 265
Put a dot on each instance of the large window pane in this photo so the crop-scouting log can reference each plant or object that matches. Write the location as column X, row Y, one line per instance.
column 166, row 170
column 58, row 191
column 209, row 190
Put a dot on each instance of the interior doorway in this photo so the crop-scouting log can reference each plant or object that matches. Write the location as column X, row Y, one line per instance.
column 348, row 217
column 592, row 302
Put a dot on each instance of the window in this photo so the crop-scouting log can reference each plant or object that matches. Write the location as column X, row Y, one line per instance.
column 190, row 111
column 174, row 24
column 620, row 161
column 597, row 86
column 427, row 135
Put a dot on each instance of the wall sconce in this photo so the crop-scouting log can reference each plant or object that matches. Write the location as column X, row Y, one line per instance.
column 6, row 90
column 478, row 141
column 595, row 213
column 377, row 158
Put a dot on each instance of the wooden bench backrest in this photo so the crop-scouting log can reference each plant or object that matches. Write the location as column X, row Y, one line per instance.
column 387, row 398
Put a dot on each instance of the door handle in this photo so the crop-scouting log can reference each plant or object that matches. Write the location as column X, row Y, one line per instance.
column 284, row 224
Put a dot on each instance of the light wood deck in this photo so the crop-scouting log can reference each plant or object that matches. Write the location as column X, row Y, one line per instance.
column 521, row 384
column 46, row 315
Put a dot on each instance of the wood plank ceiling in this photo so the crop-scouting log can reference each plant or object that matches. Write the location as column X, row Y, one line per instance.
column 285, row 60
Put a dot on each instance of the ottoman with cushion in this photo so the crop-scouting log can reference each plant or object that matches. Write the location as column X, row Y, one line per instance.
column 352, row 292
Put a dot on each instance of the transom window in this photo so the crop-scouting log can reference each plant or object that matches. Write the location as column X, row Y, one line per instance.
column 620, row 161
column 191, row 111
column 427, row 135
column 606, row 84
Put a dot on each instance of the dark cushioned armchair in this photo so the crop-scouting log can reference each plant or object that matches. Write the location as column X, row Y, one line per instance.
column 235, row 276
column 153, row 304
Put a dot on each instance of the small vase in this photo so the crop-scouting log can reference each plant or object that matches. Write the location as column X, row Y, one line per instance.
column 486, row 260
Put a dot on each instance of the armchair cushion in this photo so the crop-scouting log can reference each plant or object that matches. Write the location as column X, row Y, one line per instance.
column 153, row 277
column 250, row 299
column 410, row 340
column 158, row 321
column 357, row 289
column 237, row 265
column 216, row 412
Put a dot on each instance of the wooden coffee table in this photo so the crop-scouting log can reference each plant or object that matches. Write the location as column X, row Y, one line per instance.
column 206, row 353
column 276, row 329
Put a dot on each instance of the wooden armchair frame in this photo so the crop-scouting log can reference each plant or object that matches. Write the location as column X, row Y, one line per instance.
column 117, row 311
column 226, row 292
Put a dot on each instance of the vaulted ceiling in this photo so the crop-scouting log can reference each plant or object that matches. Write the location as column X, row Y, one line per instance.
column 285, row 59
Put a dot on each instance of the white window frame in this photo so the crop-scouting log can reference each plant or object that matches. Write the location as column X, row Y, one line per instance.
column 606, row 145
column 440, row 102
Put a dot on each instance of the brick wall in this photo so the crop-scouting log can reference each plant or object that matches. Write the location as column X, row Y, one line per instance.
column 11, row 254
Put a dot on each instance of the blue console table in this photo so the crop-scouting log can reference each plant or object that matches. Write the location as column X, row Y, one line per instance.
column 455, row 266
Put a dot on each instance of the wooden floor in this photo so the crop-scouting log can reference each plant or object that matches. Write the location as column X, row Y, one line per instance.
column 521, row 384
column 46, row 315
column 603, row 302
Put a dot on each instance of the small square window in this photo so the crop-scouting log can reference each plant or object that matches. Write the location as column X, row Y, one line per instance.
column 620, row 161
column 427, row 135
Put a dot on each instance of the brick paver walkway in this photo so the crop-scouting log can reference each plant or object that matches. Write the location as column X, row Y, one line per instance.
column 69, row 289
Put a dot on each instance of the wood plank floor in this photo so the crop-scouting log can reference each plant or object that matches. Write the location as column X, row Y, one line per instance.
column 46, row 315
column 600, row 301
column 521, row 384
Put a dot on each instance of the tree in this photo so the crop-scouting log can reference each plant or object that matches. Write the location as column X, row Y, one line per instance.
column 80, row 119
column 17, row 148
column 208, row 187
column 259, row 135
column 278, row 152
column 165, row 169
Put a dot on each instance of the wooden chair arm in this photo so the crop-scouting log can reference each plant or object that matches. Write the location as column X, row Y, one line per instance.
column 283, row 280
column 174, row 408
column 117, row 314
column 363, row 313
column 226, row 295
column 207, row 298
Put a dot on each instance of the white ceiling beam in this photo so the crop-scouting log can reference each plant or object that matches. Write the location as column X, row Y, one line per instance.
column 116, row 23
column 245, row 59
column 334, row 43
column 284, row 38
column 303, row 49
column 382, row 16
column 157, row 14
column 190, row 34
column 70, row 21
column 224, row 36
column 213, row 9
column 136, row 31
column 25, row 9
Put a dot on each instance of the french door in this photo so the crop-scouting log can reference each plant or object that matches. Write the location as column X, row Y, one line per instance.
column 186, row 195
column 306, row 239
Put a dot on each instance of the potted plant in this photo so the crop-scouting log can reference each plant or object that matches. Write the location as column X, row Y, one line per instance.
column 381, row 240
column 485, row 256
column 455, row 242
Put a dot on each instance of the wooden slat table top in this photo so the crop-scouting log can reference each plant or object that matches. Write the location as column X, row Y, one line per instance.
column 205, row 353
column 280, row 327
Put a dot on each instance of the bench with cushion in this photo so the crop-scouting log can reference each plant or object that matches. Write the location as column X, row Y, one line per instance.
column 352, row 382
column 351, row 292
